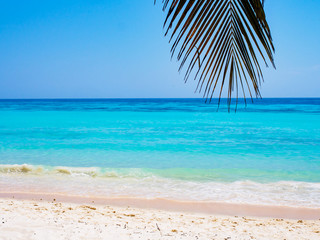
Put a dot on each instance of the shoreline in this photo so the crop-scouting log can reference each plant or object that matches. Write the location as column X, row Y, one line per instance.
column 201, row 207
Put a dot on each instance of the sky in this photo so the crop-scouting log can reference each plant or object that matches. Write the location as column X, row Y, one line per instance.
column 117, row 49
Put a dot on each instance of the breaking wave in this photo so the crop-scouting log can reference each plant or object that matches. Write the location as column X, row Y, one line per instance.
column 175, row 184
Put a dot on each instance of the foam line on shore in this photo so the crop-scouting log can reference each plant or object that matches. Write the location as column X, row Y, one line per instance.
column 176, row 184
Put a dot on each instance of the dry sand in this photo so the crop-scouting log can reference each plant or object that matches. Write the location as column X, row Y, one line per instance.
column 27, row 219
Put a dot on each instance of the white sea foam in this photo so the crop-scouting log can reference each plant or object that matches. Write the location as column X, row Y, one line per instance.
column 148, row 184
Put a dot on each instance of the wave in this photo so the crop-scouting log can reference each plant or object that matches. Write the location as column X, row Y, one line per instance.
column 174, row 184
column 186, row 174
column 73, row 171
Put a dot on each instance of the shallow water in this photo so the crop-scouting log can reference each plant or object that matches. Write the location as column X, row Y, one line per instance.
column 267, row 152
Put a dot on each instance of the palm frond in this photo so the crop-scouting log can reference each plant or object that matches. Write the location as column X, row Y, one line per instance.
column 220, row 39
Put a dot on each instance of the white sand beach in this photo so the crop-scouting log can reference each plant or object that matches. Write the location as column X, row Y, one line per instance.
column 43, row 219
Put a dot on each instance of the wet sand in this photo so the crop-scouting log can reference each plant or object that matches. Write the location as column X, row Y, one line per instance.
column 217, row 208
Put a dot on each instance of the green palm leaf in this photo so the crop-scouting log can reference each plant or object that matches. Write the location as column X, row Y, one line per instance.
column 220, row 39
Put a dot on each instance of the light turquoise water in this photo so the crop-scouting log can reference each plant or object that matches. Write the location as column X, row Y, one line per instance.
column 165, row 148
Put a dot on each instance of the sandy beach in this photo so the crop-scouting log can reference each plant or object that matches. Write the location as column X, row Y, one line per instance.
column 43, row 219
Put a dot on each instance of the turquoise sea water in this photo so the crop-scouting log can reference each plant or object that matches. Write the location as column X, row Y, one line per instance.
column 174, row 148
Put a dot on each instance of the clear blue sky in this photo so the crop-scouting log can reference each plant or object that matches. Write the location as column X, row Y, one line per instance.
column 107, row 49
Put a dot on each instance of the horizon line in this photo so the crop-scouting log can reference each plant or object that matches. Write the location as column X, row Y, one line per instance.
column 138, row 98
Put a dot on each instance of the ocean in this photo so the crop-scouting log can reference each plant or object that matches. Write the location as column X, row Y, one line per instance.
column 183, row 149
